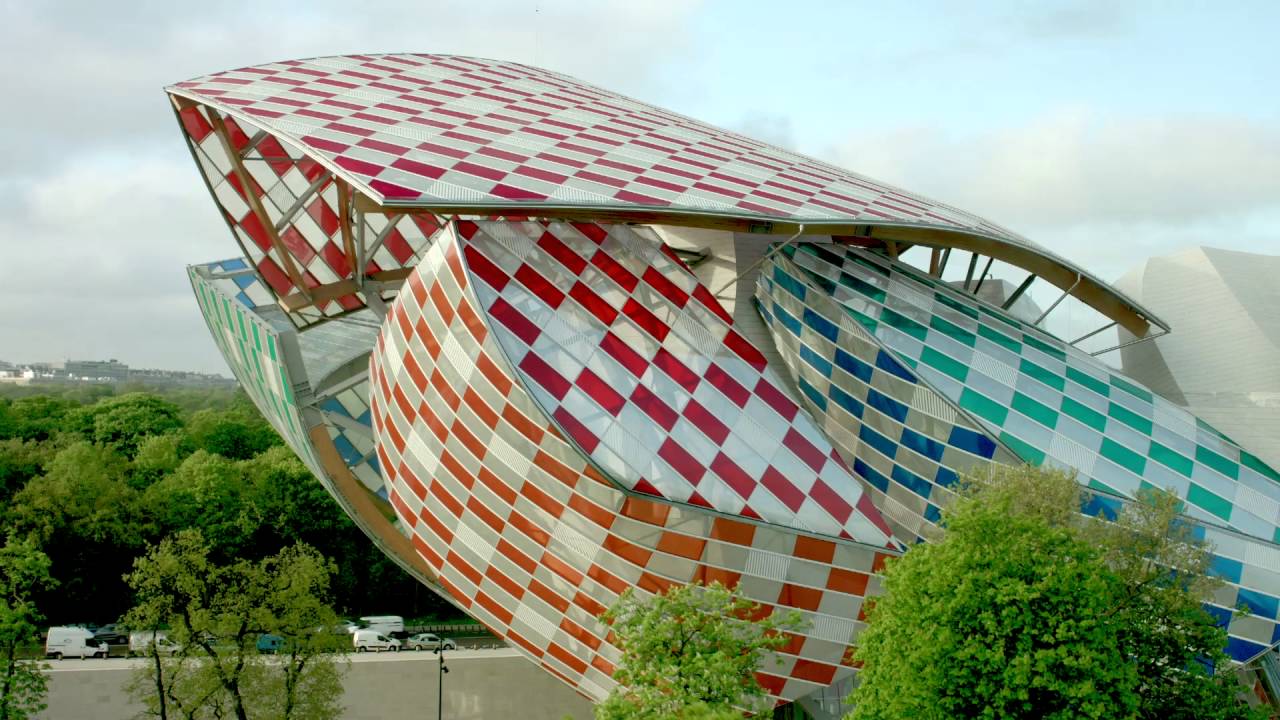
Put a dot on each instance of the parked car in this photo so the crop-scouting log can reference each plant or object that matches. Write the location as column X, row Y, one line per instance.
column 73, row 642
column 111, row 634
column 385, row 624
column 429, row 641
column 140, row 643
column 366, row 640
column 270, row 644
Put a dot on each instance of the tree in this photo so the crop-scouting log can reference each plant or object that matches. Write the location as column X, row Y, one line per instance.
column 216, row 614
column 1008, row 616
column 237, row 434
column 691, row 650
column 1026, row 608
column 23, row 570
column 124, row 420
column 1159, row 616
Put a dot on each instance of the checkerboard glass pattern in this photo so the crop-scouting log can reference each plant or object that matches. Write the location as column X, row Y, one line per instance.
column 527, row 535
column 635, row 361
column 902, row 438
column 436, row 129
column 252, row 349
column 350, row 426
column 288, row 183
column 1053, row 404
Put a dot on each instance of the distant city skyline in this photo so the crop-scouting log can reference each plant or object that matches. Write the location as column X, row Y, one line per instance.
column 1108, row 133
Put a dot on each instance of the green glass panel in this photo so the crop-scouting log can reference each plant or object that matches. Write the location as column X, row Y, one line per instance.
column 1130, row 418
column 271, row 347
column 1130, row 388
column 1000, row 338
column 1084, row 414
column 1200, row 497
column 257, row 339
column 1044, row 347
column 983, row 406
column 862, row 287
column 1257, row 465
column 868, row 264
column 867, row 322
column 1051, row 379
column 952, row 330
column 1025, row 450
column 1101, row 487
column 945, row 363
column 1212, row 430
column 946, row 299
column 1123, row 456
column 896, row 319
column 1170, row 458
column 1217, row 462
column 996, row 315
column 1089, row 381
column 1035, row 410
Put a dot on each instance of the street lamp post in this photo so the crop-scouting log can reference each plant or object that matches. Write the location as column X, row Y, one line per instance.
column 440, row 681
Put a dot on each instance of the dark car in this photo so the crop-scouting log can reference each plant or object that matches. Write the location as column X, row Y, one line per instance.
column 111, row 634
column 270, row 644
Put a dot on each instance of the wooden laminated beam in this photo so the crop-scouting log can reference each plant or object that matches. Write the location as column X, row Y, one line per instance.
column 255, row 202
column 344, row 222
column 1094, row 294
column 322, row 294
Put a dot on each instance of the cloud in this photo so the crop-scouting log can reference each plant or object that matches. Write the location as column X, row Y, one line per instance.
column 1093, row 186
column 103, row 203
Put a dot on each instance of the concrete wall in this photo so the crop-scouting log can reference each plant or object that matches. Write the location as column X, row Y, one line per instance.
column 480, row 684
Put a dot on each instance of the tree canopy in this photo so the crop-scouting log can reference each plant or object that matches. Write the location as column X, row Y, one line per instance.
column 1026, row 609
column 691, row 651
column 96, row 478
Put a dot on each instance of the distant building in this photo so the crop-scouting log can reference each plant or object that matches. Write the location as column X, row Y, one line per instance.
column 1222, row 360
column 101, row 370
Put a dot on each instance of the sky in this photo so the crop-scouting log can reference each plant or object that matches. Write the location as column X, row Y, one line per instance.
column 1108, row 132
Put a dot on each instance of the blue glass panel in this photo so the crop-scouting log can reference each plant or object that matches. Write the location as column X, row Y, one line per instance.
column 814, row 396
column 788, row 283
column 878, row 481
column 1241, row 649
column 1226, row 568
column 886, row 362
column 911, row 481
column 1221, row 615
column 787, row 321
column 846, row 401
column 823, row 326
column 1258, row 603
column 887, row 447
column 973, row 442
column 886, row 405
column 926, row 446
column 818, row 362
column 853, row 366
column 946, row 477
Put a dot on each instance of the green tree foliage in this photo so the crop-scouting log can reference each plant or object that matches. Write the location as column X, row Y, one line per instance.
column 23, row 570
column 96, row 477
column 1158, row 613
column 1026, row 610
column 236, row 435
column 691, row 651
column 124, row 421
column 216, row 613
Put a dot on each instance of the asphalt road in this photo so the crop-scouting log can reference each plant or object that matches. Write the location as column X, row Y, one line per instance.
column 459, row 655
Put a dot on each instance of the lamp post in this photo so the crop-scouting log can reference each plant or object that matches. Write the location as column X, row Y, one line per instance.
column 440, row 680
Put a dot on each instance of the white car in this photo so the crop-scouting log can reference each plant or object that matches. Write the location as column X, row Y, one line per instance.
column 73, row 642
column 429, row 641
column 366, row 640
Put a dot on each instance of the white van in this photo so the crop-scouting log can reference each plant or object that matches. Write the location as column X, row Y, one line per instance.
column 385, row 624
column 366, row 640
column 140, row 643
column 73, row 642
